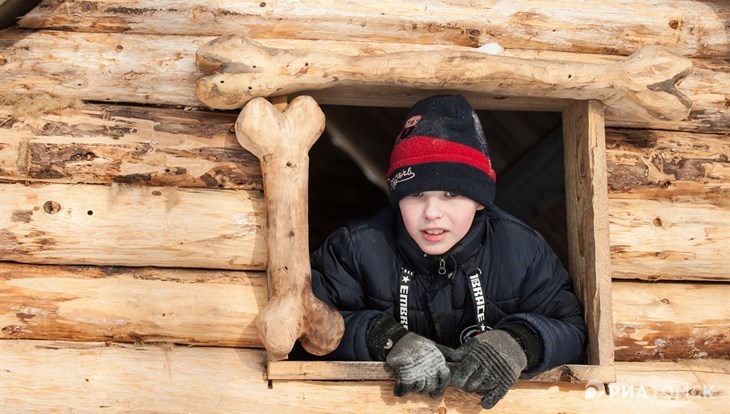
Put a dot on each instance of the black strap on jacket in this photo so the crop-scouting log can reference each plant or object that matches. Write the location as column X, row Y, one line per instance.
column 475, row 288
column 477, row 296
column 406, row 276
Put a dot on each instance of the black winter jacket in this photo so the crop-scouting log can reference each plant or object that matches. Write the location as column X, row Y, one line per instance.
column 357, row 272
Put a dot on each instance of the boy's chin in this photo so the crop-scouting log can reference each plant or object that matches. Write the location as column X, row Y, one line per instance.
column 435, row 250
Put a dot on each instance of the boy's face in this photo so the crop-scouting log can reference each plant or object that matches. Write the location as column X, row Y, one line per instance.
column 437, row 220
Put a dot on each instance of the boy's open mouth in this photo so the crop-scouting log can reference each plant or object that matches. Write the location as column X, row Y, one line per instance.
column 433, row 235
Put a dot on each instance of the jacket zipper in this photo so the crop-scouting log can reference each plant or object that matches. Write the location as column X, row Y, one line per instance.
column 442, row 266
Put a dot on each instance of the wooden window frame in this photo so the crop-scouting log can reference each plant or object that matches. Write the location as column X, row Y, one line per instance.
column 586, row 193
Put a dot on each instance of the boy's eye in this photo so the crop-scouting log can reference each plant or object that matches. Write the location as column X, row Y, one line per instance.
column 415, row 195
column 450, row 194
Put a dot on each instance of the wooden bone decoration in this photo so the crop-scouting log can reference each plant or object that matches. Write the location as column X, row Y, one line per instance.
column 642, row 86
column 281, row 141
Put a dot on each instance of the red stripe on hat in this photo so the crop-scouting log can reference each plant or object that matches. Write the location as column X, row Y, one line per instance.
column 423, row 150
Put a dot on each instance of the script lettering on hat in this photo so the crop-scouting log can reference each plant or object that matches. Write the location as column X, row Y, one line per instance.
column 402, row 175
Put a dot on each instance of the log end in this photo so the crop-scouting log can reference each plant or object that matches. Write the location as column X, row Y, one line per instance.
column 262, row 129
column 279, row 325
column 233, row 64
column 323, row 327
column 233, row 53
column 214, row 93
column 655, row 73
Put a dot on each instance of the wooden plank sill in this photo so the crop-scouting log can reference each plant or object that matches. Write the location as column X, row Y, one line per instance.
column 380, row 371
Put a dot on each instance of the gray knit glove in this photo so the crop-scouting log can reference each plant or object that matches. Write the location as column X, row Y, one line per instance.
column 419, row 364
column 489, row 364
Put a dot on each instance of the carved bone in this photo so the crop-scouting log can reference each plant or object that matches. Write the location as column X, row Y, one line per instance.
column 281, row 141
column 641, row 86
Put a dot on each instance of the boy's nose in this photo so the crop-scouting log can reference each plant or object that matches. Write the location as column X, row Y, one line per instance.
column 433, row 209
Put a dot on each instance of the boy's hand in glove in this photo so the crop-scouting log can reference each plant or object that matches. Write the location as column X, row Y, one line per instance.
column 419, row 364
column 489, row 364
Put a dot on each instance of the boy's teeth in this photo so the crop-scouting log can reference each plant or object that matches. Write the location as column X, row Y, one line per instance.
column 434, row 232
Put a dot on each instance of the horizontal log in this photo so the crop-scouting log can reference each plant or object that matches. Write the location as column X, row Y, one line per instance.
column 688, row 28
column 668, row 166
column 684, row 379
column 101, row 67
column 658, row 239
column 669, row 321
column 132, row 225
column 53, row 376
column 162, row 146
column 155, row 69
column 102, row 144
column 89, row 303
column 652, row 321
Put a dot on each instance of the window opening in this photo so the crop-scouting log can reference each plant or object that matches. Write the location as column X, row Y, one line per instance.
column 349, row 161
column 564, row 175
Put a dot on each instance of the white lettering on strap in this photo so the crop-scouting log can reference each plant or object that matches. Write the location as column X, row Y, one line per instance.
column 478, row 296
column 405, row 280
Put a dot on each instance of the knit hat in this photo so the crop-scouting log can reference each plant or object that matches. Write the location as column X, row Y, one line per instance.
column 441, row 148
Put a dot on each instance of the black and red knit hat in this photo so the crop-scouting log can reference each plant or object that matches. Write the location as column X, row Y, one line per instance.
column 441, row 148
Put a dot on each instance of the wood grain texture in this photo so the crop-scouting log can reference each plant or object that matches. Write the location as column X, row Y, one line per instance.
column 689, row 28
column 660, row 239
column 132, row 225
column 668, row 204
column 586, row 209
column 652, row 321
column 145, row 305
column 380, row 371
column 668, row 166
column 86, row 377
column 669, row 321
column 103, row 144
column 105, row 67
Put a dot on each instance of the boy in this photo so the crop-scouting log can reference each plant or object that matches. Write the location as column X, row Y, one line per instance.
column 443, row 274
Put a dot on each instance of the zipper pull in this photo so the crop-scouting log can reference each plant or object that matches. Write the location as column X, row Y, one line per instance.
column 442, row 266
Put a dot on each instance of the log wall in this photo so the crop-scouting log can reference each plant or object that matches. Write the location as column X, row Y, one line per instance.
column 160, row 69
column 129, row 214
column 668, row 193
column 154, row 379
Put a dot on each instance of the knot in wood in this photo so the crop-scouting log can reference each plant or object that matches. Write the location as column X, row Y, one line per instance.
column 51, row 207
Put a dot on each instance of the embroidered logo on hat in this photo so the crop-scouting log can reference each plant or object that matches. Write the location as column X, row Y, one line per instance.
column 408, row 128
column 402, row 175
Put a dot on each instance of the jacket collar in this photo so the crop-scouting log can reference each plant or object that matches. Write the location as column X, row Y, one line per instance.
column 422, row 263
